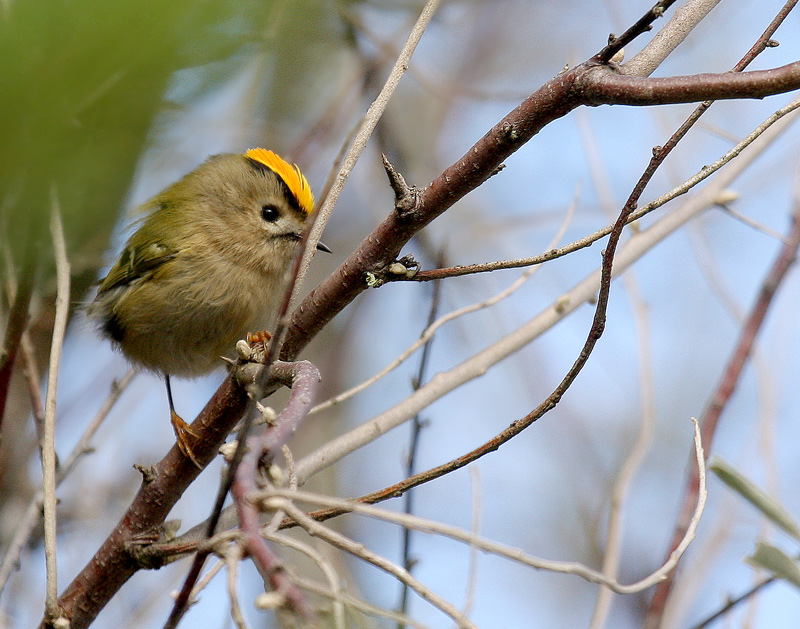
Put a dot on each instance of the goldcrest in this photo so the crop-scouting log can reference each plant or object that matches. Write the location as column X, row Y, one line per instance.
column 206, row 265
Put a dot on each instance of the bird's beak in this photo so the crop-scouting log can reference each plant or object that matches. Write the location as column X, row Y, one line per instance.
column 321, row 246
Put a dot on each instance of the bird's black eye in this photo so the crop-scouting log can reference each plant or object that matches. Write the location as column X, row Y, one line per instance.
column 270, row 213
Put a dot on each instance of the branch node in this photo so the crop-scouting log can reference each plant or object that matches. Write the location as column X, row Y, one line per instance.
column 497, row 169
column 405, row 268
column 509, row 131
column 140, row 547
column 148, row 472
column 406, row 198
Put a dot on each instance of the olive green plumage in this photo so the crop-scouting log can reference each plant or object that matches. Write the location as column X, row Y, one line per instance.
column 207, row 263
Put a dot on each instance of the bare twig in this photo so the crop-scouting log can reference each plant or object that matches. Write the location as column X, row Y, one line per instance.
column 338, row 540
column 371, row 119
column 33, row 514
column 736, row 601
column 52, row 610
column 304, row 378
column 417, row 425
column 334, row 590
column 642, row 25
column 475, row 530
column 232, row 558
column 341, row 597
column 725, row 388
column 280, row 498
column 34, row 380
column 431, row 330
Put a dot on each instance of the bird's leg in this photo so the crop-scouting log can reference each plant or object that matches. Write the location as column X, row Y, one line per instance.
column 183, row 432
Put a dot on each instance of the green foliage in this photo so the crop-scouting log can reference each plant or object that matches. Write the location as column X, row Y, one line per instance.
column 81, row 85
column 755, row 496
column 774, row 560
column 766, row 556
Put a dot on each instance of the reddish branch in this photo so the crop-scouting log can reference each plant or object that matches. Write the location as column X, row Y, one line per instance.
column 659, row 155
column 116, row 560
column 304, row 378
column 722, row 395
column 590, row 83
column 17, row 322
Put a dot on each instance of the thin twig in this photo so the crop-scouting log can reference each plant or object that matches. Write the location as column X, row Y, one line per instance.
column 34, row 380
column 208, row 577
column 232, row 558
column 52, row 610
column 431, row 330
column 334, row 590
column 725, row 388
column 735, row 601
column 338, row 540
column 343, row 598
column 416, row 429
column 642, row 25
column 283, row 498
column 27, row 525
column 371, row 119
column 475, row 531
column 477, row 365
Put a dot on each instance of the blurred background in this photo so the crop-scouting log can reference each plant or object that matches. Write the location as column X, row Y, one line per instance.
column 104, row 104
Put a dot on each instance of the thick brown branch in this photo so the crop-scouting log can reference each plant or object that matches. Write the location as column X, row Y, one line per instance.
column 163, row 484
column 586, row 84
column 602, row 85
column 383, row 245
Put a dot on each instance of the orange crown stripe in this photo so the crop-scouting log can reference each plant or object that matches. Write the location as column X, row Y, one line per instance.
column 290, row 173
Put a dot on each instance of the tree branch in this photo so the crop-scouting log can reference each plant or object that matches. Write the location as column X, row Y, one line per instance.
column 605, row 85
column 722, row 394
column 162, row 485
column 587, row 84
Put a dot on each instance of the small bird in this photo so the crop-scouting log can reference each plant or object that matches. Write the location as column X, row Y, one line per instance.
column 207, row 264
